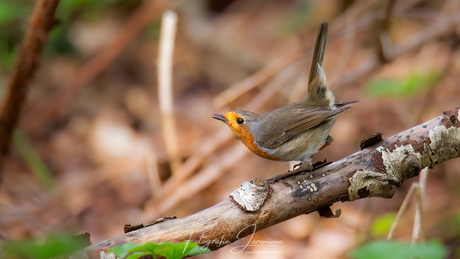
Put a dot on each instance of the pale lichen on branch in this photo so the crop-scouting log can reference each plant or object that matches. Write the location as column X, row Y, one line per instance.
column 403, row 159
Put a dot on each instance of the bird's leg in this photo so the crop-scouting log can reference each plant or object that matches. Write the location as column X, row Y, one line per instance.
column 305, row 165
column 329, row 140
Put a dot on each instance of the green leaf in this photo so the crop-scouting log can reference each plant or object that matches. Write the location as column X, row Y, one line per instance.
column 18, row 249
column 398, row 250
column 55, row 245
column 122, row 250
column 197, row 250
column 137, row 255
column 166, row 249
column 382, row 225
column 146, row 247
column 181, row 250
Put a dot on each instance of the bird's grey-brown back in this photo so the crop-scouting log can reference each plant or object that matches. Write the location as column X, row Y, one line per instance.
column 285, row 123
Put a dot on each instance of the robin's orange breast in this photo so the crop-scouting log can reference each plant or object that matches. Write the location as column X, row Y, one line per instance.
column 248, row 140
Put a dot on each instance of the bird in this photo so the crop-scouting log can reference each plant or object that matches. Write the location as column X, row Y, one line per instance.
column 298, row 130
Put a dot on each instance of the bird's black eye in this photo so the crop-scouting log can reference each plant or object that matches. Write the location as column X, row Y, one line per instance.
column 240, row 121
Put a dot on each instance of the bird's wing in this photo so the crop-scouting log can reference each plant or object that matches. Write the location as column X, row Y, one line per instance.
column 296, row 121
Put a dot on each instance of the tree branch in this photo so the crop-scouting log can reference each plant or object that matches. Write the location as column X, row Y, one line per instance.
column 40, row 23
column 375, row 171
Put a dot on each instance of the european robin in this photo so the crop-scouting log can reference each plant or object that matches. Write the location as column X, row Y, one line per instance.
column 295, row 131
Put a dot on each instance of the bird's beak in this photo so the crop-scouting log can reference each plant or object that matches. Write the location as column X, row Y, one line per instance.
column 220, row 117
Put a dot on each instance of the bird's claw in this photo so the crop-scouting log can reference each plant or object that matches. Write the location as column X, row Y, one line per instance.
column 294, row 171
column 299, row 165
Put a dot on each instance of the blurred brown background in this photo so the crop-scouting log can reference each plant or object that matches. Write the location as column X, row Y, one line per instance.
column 90, row 165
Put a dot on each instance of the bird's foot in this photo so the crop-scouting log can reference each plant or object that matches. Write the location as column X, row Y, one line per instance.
column 301, row 167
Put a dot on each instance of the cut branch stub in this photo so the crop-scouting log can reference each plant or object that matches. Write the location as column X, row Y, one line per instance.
column 374, row 139
column 251, row 195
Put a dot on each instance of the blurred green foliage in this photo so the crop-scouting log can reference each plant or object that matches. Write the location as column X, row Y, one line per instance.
column 55, row 244
column 33, row 160
column 13, row 10
column 408, row 86
column 2, row 92
column 166, row 249
column 382, row 225
column 383, row 249
column 15, row 14
column 458, row 224
column 70, row 9
column 458, row 217
column 297, row 19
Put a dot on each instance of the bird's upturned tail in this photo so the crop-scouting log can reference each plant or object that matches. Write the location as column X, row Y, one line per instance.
column 318, row 95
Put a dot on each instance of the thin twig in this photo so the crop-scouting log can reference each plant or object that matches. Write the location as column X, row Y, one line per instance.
column 165, row 93
column 153, row 174
column 450, row 7
column 40, row 23
column 402, row 209
column 418, row 233
column 279, row 81
column 259, row 77
column 388, row 14
column 427, row 97
column 349, row 41
column 197, row 183
column 443, row 26
column 207, row 147
column 385, row 46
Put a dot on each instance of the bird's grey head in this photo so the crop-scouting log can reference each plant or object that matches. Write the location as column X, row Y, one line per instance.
column 239, row 119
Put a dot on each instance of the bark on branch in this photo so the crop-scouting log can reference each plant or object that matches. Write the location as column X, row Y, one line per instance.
column 375, row 171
